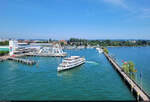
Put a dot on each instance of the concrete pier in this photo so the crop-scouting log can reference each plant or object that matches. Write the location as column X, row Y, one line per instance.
column 135, row 88
column 25, row 61
column 1, row 60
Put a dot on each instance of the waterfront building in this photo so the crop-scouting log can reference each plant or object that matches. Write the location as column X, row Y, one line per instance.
column 16, row 48
column 80, row 47
column 51, row 50
column 70, row 47
column 89, row 47
column 13, row 45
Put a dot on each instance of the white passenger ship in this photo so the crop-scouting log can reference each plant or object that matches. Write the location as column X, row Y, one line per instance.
column 71, row 62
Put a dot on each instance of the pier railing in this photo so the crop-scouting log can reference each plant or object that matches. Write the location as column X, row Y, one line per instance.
column 132, row 79
column 140, row 93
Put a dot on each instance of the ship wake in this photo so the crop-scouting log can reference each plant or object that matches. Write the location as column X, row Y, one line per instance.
column 92, row 62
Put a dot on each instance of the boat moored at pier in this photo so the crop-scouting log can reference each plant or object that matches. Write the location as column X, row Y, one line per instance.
column 99, row 50
column 71, row 62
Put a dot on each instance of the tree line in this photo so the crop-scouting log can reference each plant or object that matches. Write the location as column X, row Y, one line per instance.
column 3, row 53
column 3, row 43
column 85, row 42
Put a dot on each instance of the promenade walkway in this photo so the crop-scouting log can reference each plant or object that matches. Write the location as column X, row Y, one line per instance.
column 140, row 93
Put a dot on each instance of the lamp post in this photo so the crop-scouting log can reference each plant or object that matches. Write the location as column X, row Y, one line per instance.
column 141, row 79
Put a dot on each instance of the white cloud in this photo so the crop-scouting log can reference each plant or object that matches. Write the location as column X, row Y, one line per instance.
column 133, row 10
column 120, row 3
column 145, row 12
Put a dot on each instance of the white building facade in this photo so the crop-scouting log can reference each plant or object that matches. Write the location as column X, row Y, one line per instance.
column 13, row 45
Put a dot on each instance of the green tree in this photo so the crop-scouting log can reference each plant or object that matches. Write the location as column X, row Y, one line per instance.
column 4, row 43
column 105, row 50
column 128, row 67
column 125, row 68
column 131, row 66
column 62, row 43
column 3, row 53
column 108, row 42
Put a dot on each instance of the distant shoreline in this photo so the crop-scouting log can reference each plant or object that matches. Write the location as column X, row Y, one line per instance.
column 127, row 46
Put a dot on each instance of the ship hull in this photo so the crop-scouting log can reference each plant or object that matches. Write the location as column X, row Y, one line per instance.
column 70, row 67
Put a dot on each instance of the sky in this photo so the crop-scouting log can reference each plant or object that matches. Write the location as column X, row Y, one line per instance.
column 63, row 19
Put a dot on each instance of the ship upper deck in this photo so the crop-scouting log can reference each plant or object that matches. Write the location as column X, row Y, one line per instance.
column 72, row 58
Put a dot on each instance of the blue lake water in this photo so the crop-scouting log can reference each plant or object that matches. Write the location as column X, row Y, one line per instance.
column 141, row 58
column 94, row 80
